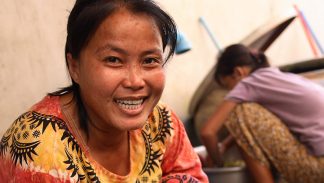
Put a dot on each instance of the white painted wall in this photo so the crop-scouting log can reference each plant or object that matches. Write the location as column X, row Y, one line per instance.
column 32, row 37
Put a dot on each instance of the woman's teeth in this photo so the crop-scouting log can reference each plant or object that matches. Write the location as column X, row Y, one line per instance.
column 130, row 104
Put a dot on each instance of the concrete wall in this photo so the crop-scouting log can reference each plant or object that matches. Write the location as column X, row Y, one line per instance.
column 32, row 35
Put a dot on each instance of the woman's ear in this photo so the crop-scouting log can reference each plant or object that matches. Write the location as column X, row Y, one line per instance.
column 73, row 66
column 241, row 71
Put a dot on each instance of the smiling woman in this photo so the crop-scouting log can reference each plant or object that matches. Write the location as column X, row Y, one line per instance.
column 116, row 68
column 109, row 125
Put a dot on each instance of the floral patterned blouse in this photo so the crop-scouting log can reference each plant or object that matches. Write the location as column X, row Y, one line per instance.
column 41, row 146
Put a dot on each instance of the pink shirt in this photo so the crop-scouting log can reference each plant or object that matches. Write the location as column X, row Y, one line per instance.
column 297, row 101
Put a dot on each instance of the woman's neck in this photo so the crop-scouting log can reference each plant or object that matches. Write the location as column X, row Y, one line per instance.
column 105, row 139
column 110, row 148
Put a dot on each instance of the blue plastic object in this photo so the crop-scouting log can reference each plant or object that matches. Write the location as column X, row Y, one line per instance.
column 183, row 45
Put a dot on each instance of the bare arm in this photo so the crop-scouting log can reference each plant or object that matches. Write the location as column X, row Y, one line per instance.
column 226, row 144
column 212, row 126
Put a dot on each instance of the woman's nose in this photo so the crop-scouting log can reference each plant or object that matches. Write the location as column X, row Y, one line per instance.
column 134, row 78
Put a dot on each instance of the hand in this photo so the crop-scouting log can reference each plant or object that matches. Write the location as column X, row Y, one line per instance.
column 218, row 160
column 207, row 162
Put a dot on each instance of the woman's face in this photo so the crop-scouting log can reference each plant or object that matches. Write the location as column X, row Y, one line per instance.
column 120, row 71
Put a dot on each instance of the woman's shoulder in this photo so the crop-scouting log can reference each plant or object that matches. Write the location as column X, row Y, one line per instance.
column 40, row 138
column 266, row 74
column 42, row 119
column 49, row 105
column 34, row 133
column 37, row 119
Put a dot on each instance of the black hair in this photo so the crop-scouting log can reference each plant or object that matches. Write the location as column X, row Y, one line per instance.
column 238, row 55
column 85, row 18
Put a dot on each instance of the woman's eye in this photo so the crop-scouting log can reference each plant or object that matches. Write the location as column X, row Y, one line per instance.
column 150, row 61
column 112, row 60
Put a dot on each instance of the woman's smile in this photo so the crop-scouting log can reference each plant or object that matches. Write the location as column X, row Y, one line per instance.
column 130, row 106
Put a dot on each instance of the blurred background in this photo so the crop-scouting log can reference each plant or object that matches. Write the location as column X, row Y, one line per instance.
column 32, row 38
